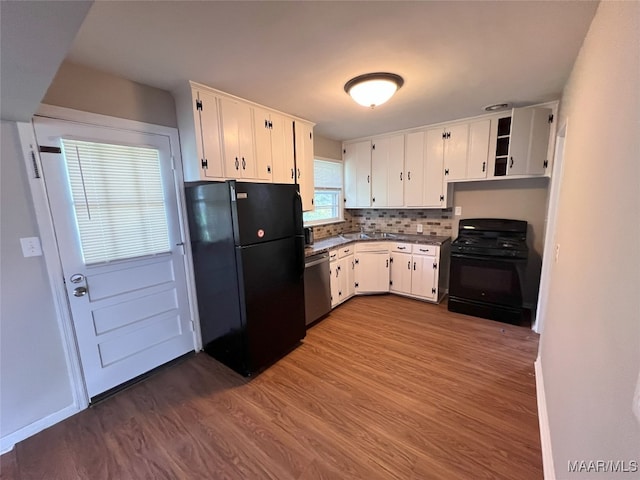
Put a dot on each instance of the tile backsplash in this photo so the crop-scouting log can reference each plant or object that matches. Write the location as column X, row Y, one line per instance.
column 434, row 222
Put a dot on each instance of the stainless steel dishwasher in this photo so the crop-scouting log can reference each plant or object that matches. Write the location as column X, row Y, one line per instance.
column 317, row 289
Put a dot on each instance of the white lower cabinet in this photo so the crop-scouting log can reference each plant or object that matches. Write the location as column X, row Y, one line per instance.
column 372, row 267
column 414, row 270
column 341, row 269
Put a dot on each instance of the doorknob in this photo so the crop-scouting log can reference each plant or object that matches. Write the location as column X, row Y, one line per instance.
column 80, row 291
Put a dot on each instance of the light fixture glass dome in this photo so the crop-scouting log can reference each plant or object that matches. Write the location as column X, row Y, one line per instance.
column 373, row 89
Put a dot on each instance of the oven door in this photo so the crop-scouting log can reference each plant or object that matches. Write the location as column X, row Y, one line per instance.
column 487, row 279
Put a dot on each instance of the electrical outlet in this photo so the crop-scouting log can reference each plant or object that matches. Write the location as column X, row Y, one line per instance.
column 31, row 247
column 458, row 211
column 419, row 228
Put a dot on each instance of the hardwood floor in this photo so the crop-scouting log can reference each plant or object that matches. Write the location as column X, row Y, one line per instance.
column 383, row 388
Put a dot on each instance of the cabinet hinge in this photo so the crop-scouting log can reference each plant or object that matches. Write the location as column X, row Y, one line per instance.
column 344, row 151
column 199, row 105
column 357, row 261
column 205, row 163
column 444, row 135
column 373, row 146
column 551, row 118
column 435, row 265
column 310, row 135
column 545, row 164
column 433, row 290
column 391, row 259
column 442, row 198
column 446, row 171
column 357, row 285
column 390, row 282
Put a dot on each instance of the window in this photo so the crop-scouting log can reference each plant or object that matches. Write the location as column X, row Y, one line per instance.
column 118, row 200
column 327, row 198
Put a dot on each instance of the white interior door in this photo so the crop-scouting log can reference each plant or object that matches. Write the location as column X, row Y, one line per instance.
column 113, row 201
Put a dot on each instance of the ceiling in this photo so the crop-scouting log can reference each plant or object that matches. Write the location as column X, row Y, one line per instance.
column 455, row 57
column 35, row 37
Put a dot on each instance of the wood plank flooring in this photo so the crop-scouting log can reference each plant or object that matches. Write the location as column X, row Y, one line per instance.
column 383, row 388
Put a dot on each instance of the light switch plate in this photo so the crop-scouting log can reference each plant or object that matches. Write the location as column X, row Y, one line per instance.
column 458, row 211
column 31, row 247
column 419, row 228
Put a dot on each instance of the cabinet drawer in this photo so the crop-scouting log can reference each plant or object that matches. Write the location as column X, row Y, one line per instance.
column 401, row 247
column 430, row 250
column 333, row 255
column 372, row 247
column 345, row 251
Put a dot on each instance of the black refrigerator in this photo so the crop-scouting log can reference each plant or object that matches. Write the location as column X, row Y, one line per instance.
column 247, row 242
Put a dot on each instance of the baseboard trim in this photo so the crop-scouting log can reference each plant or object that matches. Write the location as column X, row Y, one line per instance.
column 8, row 442
column 543, row 420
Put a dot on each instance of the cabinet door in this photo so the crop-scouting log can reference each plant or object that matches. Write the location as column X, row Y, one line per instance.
column 387, row 171
column 423, row 276
column 400, row 272
column 414, row 169
column 334, row 283
column 433, row 194
column 304, row 163
column 372, row 272
column 282, row 149
column 478, row 151
column 209, row 142
column 263, row 143
column 396, row 171
column 455, row 152
column 357, row 173
column 380, row 172
column 237, row 127
column 349, row 277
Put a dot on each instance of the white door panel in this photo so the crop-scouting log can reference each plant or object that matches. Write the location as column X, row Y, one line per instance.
column 130, row 315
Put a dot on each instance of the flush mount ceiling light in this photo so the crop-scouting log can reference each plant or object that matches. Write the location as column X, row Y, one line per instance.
column 373, row 89
column 496, row 107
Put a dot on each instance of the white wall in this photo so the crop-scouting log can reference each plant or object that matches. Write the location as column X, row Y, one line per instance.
column 34, row 381
column 590, row 346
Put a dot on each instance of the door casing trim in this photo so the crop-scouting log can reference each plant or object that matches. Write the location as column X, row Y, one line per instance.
column 49, row 242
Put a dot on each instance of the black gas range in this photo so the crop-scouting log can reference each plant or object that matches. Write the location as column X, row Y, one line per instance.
column 488, row 268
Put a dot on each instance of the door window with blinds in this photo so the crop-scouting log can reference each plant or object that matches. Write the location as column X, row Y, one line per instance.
column 118, row 200
column 327, row 198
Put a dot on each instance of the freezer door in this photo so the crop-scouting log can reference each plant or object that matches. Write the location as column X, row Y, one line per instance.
column 271, row 279
column 265, row 212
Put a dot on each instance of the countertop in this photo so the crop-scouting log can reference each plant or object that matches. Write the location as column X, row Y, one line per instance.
column 329, row 243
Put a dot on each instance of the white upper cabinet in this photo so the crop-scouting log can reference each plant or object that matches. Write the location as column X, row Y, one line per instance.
column 435, row 190
column 523, row 141
column 274, row 146
column 225, row 137
column 478, row 149
column 455, row 139
column 198, row 121
column 238, row 139
column 304, row 162
column 387, row 171
column 357, row 174
column 414, row 169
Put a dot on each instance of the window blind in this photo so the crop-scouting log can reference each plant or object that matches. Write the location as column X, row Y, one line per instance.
column 327, row 174
column 118, row 200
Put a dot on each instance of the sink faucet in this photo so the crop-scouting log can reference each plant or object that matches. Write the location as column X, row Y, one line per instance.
column 362, row 229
